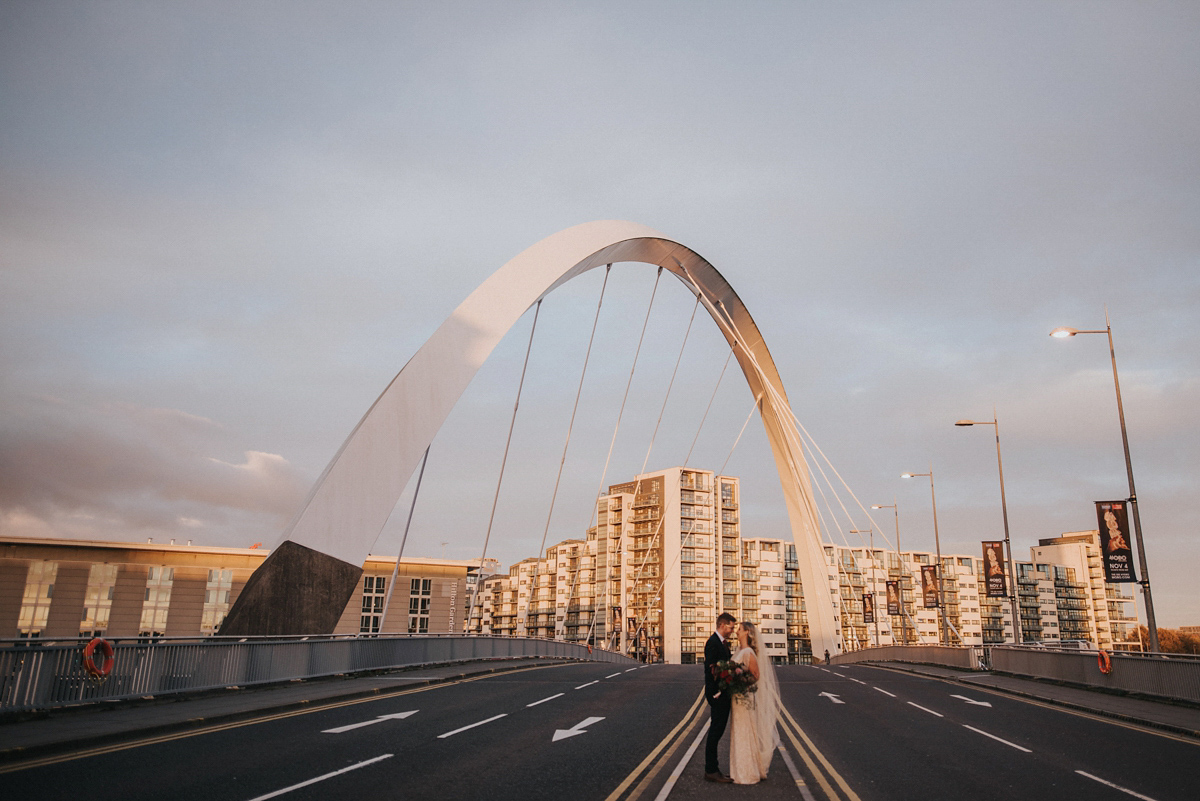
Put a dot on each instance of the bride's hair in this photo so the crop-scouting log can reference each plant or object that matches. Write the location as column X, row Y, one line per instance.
column 751, row 630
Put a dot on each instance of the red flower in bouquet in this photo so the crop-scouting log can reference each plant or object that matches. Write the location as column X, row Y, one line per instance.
column 734, row 677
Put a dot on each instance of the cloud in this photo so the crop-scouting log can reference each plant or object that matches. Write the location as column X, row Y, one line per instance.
column 119, row 469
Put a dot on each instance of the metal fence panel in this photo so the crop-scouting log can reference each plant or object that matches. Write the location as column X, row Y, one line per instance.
column 47, row 675
column 1158, row 675
column 945, row 655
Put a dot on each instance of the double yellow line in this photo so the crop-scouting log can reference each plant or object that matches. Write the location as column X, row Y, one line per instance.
column 662, row 754
column 816, row 762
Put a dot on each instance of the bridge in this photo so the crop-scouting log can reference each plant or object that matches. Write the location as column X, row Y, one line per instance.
column 278, row 708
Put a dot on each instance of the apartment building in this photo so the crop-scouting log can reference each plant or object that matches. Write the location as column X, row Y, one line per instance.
column 51, row 588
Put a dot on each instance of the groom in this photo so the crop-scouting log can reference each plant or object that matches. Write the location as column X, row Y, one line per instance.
column 715, row 650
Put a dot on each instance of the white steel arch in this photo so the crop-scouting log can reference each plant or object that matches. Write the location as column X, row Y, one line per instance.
column 352, row 500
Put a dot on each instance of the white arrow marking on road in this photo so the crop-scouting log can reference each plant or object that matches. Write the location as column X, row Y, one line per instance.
column 578, row 728
column 833, row 698
column 971, row 700
column 380, row 719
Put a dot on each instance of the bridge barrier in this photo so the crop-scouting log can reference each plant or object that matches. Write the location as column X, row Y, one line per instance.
column 953, row 656
column 1168, row 676
column 46, row 675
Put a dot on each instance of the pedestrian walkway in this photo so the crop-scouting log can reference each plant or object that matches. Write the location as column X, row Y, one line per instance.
column 97, row 725
column 1177, row 718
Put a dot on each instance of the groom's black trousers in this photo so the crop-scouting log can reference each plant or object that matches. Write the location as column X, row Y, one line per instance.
column 716, row 730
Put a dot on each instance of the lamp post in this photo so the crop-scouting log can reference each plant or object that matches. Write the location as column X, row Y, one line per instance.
column 874, row 585
column 942, row 638
column 1062, row 333
column 896, row 508
column 1012, row 568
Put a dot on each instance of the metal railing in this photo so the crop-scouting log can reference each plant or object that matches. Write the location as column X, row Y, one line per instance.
column 45, row 675
column 954, row 656
column 1172, row 676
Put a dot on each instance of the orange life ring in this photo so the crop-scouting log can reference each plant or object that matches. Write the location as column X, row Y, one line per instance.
column 1105, row 662
column 89, row 663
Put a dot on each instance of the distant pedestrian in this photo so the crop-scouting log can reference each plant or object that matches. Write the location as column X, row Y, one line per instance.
column 827, row 656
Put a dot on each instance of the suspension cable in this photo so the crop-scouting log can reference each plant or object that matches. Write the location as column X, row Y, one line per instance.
column 570, row 427
column 503, row 461
column 617, row 427
column 404, row 540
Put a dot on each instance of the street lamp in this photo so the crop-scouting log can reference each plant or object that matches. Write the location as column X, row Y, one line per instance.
column 943, row 639
column 895, row 508
column 1012, row 568
column 874, row 585
column 1062, row 333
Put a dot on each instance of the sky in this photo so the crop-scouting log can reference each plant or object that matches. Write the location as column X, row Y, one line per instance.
column 225, row 227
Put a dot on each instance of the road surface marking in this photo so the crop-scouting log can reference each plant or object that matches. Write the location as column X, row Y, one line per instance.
column 544, row 700
column 578, row 728
column 854, row 679
column 839, row 675
column 885, row 692
column 613, row 676
column 675, row 774
column 380, row 719
column 791, row 766
column 833, row 698
column 473, row 725
column 971, row 700
column 589, row 684
column 837, row 777
column 630, row 670
column 321, row 778
column 998, row 739
column 930, row 711
column 695, row 711
column 1115, row 786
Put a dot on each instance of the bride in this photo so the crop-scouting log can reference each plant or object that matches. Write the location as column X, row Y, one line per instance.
column 753, row 737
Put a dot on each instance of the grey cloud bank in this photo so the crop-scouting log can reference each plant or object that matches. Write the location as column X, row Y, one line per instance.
column 250, row 219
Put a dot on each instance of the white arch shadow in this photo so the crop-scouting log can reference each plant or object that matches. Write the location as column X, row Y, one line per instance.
column 352, row 500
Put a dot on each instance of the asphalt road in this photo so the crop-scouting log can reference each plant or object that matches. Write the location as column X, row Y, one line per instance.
column 592, row 731
column 895, row 735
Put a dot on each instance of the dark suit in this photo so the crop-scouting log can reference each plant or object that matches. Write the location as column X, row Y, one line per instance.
column 715, row 651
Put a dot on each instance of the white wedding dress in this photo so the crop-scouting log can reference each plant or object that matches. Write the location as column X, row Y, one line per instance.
column 753, row 736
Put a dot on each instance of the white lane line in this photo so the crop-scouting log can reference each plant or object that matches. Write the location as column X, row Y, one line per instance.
column 675, row 774
column 930, row 711
column 791, row 766
column 544, row 700
column 839, row 675
column 885, row 692
column 1115, row 786
column 589, row 684
column 998, row 739
column 613, row 676
column 321, row 778
column 854, row 679
column 473, row 725
column 630, row 670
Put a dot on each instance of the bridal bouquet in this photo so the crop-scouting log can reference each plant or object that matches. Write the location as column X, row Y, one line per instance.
column 734, row 677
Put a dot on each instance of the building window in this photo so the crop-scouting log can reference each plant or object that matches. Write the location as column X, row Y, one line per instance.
column 374, row 595
column 97, row 603
column 419, row 593
column 157, row 601
column 216, row 600
column 35, row 605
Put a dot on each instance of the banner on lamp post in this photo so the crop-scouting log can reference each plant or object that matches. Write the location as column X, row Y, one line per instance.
column 929, row 588
column 1113, row 520
column 893, row 597
column 993, row 569
column 868, row 608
